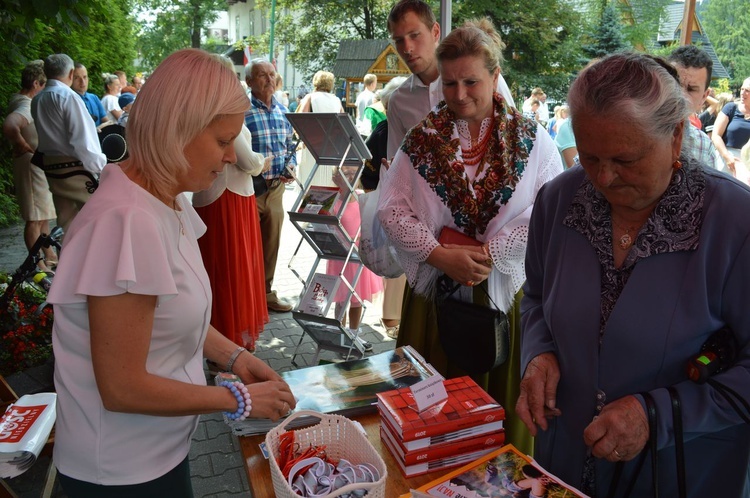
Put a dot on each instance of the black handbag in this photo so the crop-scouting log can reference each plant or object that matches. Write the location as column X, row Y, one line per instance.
column 474, row 337
column 259, row 185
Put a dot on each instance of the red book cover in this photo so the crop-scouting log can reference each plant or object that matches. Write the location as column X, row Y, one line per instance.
column 468, row 405
column 493, row 440
column 433, row 465
column 448, row 437
column 452, row 236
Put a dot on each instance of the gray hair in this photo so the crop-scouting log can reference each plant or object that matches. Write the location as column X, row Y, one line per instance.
column 627, row 87
column 57, row 66
column 251, row 64
column 389, row 88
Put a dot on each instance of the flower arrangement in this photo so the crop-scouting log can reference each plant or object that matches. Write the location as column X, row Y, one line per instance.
column 25, row 328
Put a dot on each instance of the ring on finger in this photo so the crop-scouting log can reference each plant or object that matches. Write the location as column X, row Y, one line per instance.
column 470, row 283
column 617, row 454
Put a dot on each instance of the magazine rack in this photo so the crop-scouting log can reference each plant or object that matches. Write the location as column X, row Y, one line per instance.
column 333, row 141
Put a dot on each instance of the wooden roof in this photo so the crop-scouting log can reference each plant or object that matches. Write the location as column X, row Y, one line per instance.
column 670, row 28
column 355, row 58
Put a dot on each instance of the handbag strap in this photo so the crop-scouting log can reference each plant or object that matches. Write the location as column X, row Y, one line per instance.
column 650, row 448
column 480, row 286
column 679, row 443
column 651, row 407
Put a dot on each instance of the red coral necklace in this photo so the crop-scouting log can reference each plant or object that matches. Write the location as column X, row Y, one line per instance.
column 475, row 153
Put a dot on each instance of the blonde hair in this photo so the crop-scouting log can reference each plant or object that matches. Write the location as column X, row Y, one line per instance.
column 172, row 110
column 323, row 81
column 477, row 37
column 108, row 80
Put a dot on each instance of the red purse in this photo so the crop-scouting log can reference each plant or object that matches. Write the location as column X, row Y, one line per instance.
column 452, row 236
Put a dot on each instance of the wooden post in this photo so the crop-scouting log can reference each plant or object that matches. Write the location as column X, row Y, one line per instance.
column 687, row 23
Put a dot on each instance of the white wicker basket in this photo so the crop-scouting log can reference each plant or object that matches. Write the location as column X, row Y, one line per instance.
column 343, row 439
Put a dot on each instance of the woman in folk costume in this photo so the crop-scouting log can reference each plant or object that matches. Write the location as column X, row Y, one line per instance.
column 232, row 249
column 474, row 164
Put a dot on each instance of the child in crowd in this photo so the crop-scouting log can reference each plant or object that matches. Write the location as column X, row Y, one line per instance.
column 368, row 285
column 125, row 102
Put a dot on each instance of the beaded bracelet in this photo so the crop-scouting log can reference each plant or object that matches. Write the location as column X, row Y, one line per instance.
column 244, row 403
column 235, row 354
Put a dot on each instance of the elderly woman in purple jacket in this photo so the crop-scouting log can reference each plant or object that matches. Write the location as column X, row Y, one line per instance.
column 636, row 256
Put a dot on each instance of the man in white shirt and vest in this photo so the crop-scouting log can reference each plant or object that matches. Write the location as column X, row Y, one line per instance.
column 69, row 151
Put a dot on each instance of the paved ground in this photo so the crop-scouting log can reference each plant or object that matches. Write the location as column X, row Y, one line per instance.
column 215, row 459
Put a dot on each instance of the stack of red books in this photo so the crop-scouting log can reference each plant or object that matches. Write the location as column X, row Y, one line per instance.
column 467, row 426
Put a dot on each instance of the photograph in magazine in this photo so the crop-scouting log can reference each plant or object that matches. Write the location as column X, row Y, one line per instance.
column 502, row 473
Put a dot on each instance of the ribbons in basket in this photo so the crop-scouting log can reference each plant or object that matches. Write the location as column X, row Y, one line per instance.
column 344, row 443
column 321, row 478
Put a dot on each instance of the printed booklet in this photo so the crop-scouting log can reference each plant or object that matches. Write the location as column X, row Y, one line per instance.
column 468, row 405
column 504, row 472
column 319, row 294
column 24, row 429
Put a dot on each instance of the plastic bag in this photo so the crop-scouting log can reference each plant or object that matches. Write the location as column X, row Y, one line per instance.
column 375, row 251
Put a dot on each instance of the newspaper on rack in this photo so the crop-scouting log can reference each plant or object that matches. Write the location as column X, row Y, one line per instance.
column 348, row 388
column 24, row 429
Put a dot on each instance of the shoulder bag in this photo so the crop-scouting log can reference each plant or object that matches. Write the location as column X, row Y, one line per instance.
column 474, row 337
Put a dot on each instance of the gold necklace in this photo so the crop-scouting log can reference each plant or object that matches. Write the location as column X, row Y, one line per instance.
column 179, row 219
column 626, row 240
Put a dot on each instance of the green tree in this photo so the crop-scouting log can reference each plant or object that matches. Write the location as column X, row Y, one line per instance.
column 607, row 37
column 315, row 28
column 541, row 38
column 726, row 23
column 95, row 32
column 171, row 25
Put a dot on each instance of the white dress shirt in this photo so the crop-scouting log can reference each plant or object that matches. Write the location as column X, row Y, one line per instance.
column 65, row 127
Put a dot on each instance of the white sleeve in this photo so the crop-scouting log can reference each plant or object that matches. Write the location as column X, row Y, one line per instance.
column 248, row 160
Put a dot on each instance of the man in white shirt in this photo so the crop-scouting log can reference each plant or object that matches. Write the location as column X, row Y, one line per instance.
column 416, row 34
column 365, row 97
column 543, row 111
column 69, row 151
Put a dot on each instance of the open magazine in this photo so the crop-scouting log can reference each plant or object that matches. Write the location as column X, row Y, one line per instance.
column 24, row 429
column 504, row 472
column 349, row 388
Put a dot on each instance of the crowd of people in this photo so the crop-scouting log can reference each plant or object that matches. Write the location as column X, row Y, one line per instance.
column 606, row 233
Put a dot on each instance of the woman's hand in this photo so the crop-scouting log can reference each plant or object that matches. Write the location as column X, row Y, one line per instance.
column 250, row 369
column 538, row 397
column 271, row 396
column 619, row 432
column 267, row 162
column 270, row 399
column 467, row 265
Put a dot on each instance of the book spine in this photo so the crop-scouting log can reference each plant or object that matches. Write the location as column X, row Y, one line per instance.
column 434, row 465
column 464, row 422
column 486, row 441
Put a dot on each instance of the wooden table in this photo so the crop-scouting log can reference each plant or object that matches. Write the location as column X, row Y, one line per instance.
column 259, row 470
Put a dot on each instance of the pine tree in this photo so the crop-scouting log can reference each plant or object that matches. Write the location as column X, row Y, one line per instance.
column 608, row 37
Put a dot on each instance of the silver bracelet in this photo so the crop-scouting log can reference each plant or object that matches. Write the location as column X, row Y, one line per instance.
column 233, row 358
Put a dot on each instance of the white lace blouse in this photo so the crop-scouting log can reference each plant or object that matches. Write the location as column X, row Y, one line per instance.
column 412, row 207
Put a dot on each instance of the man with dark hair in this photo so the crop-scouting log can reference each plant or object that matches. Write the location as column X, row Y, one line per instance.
column 69, row 151
column 92, row 102
column 694, row 66
column 416, row 34
column 272, row 135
